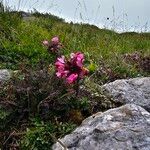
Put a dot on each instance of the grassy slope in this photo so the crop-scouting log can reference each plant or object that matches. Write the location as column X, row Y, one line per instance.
column 20, row 41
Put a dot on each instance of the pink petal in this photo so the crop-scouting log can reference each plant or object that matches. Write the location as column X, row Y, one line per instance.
column 80, row 56
column 77, row 58
column 45, row 43
column 72, row 78
column 61, row 59
column 55, row 40
column 62, row 73
column 79, row 63
column 59, row 64
column 65, row 73
column 58, row 74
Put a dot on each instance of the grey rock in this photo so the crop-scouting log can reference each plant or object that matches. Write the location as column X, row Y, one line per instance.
column 25, row 14
column 4, row 75
column 136, row 91
column 123, row 128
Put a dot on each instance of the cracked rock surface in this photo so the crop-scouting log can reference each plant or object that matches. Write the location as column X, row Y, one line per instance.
column 136, row 91
column 123, row 128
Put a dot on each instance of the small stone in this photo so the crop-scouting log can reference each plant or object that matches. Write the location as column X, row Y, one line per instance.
column 4, row 75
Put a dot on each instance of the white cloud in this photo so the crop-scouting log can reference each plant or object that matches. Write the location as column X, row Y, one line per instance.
column 123, row 14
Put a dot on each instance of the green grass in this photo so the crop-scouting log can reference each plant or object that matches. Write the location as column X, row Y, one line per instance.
column 20, row 41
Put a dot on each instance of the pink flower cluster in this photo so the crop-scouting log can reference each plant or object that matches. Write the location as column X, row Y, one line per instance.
column 54, row 45
column 71, row 69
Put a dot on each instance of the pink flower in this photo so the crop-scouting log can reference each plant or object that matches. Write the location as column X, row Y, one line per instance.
column 77, row 58
column 71, row 69
column 61, row 67
column 62, row 74
column 45, row 43
column 60, row 63
column 61, row 59
column 72, row 78
column 58, row 74
column 54, row 45
column 55, row 40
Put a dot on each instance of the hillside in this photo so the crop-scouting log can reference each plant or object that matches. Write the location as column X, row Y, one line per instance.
column 21, row 39
column 35, row 107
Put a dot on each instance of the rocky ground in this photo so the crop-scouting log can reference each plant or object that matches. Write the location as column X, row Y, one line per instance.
column 123, row 128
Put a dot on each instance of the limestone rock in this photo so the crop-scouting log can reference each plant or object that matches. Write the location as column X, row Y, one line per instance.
column 136, row 91
column 4, row 75
column 123, row 128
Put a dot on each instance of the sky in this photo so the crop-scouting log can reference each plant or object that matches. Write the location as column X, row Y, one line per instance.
column 120, row 15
